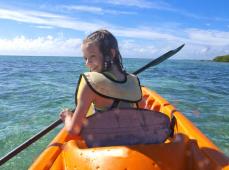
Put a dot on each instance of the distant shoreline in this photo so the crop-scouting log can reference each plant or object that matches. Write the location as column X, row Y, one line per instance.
column 216, row 59
column 224, row 58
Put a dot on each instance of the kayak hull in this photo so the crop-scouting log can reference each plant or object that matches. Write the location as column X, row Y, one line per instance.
column 188, row 149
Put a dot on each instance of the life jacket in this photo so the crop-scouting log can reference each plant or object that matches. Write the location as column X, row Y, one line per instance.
column 125, row 93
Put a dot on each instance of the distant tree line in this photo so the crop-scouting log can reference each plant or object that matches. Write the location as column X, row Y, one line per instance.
column 224, row 58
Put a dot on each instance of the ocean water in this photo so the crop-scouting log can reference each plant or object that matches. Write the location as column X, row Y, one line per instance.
column 34, row 89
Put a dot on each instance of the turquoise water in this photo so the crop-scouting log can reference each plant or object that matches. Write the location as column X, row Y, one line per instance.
column 34, row 89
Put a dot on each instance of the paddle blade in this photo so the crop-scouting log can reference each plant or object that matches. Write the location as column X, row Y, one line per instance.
column 159, row 59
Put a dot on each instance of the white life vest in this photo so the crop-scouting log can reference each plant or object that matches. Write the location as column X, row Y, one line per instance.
column 128, row 90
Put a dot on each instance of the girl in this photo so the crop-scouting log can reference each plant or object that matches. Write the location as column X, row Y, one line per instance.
column 106, row 86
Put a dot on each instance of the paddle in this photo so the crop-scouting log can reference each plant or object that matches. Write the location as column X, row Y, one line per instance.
column 59, row 121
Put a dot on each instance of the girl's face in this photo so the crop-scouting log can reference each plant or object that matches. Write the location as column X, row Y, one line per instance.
column 92, row 56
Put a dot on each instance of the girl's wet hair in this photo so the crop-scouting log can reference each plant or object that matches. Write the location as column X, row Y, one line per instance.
column 106, row 41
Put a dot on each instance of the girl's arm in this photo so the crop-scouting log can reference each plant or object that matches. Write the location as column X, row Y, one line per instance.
column 74, row 121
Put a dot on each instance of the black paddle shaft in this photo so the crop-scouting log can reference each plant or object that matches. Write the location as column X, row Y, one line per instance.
column 59, row 121
column 159, row 60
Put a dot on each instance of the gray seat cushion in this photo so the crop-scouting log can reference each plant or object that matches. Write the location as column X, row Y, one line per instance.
column 126, row 127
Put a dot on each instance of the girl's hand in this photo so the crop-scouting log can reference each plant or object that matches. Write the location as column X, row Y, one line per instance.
column 65, row 113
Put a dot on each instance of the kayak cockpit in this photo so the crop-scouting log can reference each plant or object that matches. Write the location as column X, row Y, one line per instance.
column 176, row 154
column 188, row 149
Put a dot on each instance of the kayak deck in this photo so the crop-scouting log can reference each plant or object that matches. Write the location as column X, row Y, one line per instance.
column 188, row 149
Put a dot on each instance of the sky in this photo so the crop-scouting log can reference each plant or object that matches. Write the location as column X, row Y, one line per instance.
column 143, row 28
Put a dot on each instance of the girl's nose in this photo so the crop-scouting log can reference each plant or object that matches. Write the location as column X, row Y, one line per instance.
column 88, row 63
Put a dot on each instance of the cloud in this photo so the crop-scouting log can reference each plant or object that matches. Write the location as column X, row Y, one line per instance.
column 52, row 20
column 95, row 10
column 140, row 4
column 84, row 8
column 145, row 33
column 161, row 5
column 134, row 49
column 28, row 16
column 48, row 46
column 208, row 37
column 196, row 51
column 47, row 19
column 59, row 46
column 44, row 27
column 199, row 42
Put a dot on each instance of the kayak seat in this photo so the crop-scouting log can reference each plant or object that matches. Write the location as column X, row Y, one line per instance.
column 126, row 127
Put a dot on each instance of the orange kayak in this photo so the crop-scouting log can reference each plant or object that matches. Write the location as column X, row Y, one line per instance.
column 188, row 149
